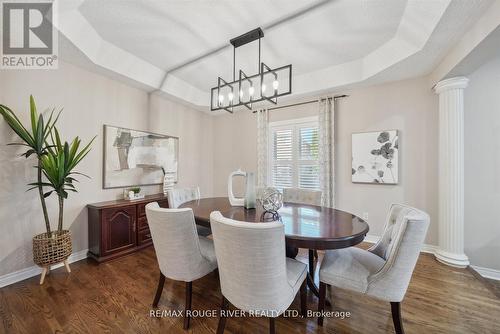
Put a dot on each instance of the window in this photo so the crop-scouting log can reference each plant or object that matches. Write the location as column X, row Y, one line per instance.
column 293, row 154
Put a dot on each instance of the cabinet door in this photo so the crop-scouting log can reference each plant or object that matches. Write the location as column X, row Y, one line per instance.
column 118, row 228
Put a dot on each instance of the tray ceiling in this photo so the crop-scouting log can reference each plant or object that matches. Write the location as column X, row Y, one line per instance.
column 180, row 47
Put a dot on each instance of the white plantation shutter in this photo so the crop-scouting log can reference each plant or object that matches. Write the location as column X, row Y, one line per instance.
column 294, row 154
column 308, row 157
column 282, row 169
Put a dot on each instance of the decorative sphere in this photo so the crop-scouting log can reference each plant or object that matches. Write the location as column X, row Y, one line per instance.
column 272, row 199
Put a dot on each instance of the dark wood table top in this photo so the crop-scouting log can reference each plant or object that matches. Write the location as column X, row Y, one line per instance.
column 306, row 226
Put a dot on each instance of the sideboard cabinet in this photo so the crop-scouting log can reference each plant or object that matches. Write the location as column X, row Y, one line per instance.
column 120, row 227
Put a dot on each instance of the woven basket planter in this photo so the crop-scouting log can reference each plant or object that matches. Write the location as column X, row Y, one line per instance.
column 51, row 250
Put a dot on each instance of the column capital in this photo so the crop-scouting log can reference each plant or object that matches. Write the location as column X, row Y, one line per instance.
column 451, row 83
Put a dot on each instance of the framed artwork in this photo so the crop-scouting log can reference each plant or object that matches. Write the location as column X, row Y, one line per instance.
column 137, row 158
column 375, row 157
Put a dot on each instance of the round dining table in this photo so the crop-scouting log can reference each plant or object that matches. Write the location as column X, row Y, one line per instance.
column 306, row 226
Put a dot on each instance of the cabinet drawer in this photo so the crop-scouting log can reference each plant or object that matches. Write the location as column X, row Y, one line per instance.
column 163, row 203
column 144, row 237
column 142, row 223
column 141, row 208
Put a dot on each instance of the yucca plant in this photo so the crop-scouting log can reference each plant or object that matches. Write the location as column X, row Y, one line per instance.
column 58, row 167
column 35, row 139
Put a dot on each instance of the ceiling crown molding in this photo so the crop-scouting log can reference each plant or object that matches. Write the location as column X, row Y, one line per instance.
column 418, row 21
column 417, row 24
column 73, row 25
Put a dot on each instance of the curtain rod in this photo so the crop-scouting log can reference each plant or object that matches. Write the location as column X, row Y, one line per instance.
column 306, row 102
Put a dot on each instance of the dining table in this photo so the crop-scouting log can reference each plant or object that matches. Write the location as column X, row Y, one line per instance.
column 306, row 226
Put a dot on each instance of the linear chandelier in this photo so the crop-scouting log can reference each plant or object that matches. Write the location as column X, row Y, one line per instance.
column 267, row 85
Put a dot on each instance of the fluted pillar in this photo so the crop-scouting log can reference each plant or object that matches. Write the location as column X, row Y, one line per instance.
column 451, row 172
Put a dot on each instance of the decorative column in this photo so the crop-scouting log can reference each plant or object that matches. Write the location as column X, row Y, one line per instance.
column 451, row 172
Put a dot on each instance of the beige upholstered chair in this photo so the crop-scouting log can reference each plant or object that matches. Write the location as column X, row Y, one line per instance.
column 303, row 196
column 383, row 271
column 179, row 196
column 182, row 254
column 255, row 275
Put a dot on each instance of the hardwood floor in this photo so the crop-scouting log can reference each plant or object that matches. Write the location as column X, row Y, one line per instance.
column 116, row 297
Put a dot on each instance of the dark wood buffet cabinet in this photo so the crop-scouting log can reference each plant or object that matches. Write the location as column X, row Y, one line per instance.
column 120, row 227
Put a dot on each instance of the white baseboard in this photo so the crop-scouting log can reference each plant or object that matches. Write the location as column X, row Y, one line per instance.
column 23, row 274
column 488, row 272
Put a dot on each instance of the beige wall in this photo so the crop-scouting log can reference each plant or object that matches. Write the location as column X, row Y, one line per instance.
column 409, row 106
column 89, row 101
column 194, row 130
column 482, row 166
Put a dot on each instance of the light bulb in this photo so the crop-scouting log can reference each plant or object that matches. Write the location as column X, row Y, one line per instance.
column 230, row 96
column 221, row 98
column 263, row 88
column 241, row 93
column 251, row 90
column 276, row 84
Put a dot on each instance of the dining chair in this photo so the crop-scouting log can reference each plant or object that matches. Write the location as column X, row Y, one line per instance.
column 255, row 275
column 383, row 271
column 178, row 196
column 304, row 196
column 182, row 254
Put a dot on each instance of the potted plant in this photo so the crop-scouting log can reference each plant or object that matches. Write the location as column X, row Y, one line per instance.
column 56, row 162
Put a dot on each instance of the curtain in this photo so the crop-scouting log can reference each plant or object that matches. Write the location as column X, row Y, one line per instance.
column 326, row 150
column 262, row 147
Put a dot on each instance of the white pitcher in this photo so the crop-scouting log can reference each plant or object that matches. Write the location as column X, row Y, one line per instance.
column 250, row 196
column 235, row 201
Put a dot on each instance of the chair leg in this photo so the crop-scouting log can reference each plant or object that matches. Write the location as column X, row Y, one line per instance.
column 311, row 262
column 396, row 317
column 272, row 328
column 159, row 290
column 222, row 316
column 303, row 298
column 189, row 293
column 321, row 302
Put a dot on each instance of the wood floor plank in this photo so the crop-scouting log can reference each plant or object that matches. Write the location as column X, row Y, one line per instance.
column 116, row 297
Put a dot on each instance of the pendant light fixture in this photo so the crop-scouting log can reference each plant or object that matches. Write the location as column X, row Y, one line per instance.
column 267, row 85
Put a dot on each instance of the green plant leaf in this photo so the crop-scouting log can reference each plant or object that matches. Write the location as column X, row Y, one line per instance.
column 17, row 126
column 33, row 115
column 39, row 135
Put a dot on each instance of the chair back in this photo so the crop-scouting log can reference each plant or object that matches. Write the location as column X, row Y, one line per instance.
column 252, row 263
column 400, row 246
column 176, row 242
column 302, row 196
column 178, row 196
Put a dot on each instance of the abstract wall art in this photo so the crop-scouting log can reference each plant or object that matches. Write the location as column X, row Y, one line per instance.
column 137, row 158
column 375, row 157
